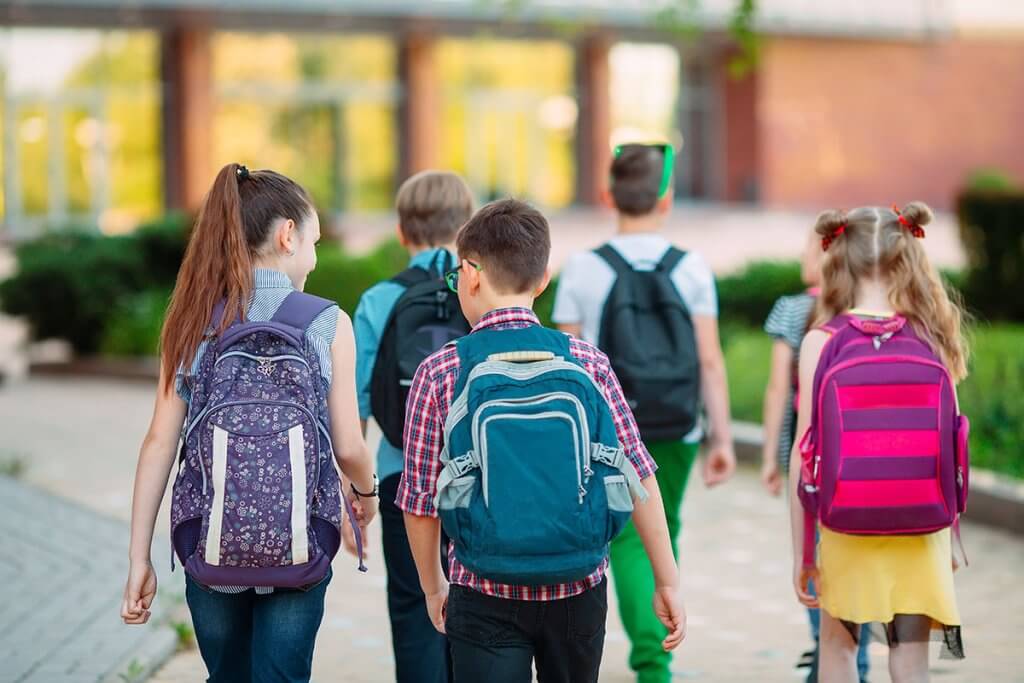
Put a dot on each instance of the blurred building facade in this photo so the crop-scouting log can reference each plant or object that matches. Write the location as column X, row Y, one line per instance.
column 117, row 111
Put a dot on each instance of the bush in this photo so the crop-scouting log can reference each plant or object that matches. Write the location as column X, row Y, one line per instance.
column 134, row 327
column 69, row 284
column 992, row 397
column 343, row 278
column 990, row 227
column 747, row 297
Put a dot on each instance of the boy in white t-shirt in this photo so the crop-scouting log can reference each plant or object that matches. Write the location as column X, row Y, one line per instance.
column 654, row 310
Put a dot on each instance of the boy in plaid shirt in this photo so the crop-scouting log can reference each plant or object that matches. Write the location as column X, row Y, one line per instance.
column 497, row 630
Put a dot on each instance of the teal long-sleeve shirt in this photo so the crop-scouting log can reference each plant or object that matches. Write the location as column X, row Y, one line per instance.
column 368, row 324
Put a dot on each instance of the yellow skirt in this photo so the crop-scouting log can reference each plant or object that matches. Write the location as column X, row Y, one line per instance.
column 868, row 579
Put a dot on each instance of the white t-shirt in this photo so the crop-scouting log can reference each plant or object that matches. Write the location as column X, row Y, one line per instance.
column 587, row 279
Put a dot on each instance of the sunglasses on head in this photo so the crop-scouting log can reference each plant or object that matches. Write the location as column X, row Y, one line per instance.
column 668, row 154
column 451, row 278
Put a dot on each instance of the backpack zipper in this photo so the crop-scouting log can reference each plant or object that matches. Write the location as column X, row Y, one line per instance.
column 459, row 408
column 261, row 359
column 303, row 409
column 537, row 416
column 583, row 468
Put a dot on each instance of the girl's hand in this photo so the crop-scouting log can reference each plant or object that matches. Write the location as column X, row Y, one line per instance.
column 348, row 538
column 437, row 606
column 364, row 508
column 139, row 592
column 668, row 607
column 770, row 476
column 802, row 577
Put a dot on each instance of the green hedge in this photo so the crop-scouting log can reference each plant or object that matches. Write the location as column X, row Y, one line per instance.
column 991, row 230
column 69, row 284
column 746, row 297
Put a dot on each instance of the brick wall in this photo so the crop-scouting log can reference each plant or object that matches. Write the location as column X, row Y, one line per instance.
column 845, row 123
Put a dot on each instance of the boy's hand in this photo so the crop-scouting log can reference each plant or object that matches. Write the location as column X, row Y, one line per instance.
column 139, row 591
column 770, row 475
column 437, row 606
column 719, row 464
column 668, row 606
column 802, row 577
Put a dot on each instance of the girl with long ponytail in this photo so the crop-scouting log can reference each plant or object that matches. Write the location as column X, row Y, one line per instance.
column 251, row 249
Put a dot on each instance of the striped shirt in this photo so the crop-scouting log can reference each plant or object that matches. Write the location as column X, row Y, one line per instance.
column 787, row 323
column 430, row 397
column 270, row 288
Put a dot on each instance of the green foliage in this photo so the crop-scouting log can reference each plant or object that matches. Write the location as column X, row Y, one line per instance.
column 988, row 179
column 748, row 355
column 748, row 296
column 133, row 328
column 185, row 633
column 992, row 397
column 545, row 303
column 343, row 278
column 990, row 228
column 70, row 284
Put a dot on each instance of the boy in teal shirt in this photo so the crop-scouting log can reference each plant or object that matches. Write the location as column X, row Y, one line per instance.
column 431, row 205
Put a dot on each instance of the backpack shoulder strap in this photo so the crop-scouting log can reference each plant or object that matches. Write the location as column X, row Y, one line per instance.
column 299, row 309
column 614, row 259
column 672, row 258
column 412, row 276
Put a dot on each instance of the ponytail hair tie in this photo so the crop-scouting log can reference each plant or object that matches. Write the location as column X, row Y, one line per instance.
column 915, row 229
column 242, row 172
column 827, row 240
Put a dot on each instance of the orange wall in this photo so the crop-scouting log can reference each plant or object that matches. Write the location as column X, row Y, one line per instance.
column 845, row 123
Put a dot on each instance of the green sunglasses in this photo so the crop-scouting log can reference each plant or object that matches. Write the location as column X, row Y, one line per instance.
column 451, row 278
column 669, row 154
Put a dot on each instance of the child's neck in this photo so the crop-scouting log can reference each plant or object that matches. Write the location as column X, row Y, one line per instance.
column 417, row 249
column 633, row 225
column 498, row 302
column 872, row 295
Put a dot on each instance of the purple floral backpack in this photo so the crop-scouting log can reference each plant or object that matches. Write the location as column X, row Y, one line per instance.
column 257, row 498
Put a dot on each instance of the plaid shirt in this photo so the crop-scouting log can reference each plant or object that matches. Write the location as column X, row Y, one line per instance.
column 429, row 400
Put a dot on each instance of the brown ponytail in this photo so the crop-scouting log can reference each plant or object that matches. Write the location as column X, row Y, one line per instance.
column 232, row 228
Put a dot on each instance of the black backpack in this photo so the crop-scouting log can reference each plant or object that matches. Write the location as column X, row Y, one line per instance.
column 426, row 317
column 648, row 335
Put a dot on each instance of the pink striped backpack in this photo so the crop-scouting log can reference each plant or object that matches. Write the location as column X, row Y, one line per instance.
column 886, row 451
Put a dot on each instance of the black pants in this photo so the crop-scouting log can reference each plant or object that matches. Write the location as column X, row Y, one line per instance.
column 496, row 640
column 421, row 653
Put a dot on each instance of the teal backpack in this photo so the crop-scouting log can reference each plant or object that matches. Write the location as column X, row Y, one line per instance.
column 535, row 483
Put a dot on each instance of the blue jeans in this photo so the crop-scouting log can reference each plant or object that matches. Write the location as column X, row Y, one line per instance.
column 421, row 653
column 863, row 662
column 250, row 638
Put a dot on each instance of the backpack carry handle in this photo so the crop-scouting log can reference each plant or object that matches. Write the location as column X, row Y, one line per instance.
column 522, row 356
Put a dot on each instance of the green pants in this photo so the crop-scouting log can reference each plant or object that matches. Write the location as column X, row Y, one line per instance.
column 634, row 578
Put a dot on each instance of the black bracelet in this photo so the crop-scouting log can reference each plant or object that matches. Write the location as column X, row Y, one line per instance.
column 372, row 494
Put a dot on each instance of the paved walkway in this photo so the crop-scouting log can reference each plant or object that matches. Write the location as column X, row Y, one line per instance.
column 744, row 622
column 61, row 579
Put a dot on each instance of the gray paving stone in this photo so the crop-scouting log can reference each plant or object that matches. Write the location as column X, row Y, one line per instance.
column 60, row 589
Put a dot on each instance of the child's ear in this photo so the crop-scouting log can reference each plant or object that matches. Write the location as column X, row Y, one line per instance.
column 606, row 199
column 402, row 239
column 543, row 283
column 471, row 277
column 285, row 236
column 665, row 203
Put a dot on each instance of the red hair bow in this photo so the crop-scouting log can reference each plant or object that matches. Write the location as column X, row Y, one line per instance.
column 915, row 229
column 827, row 240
